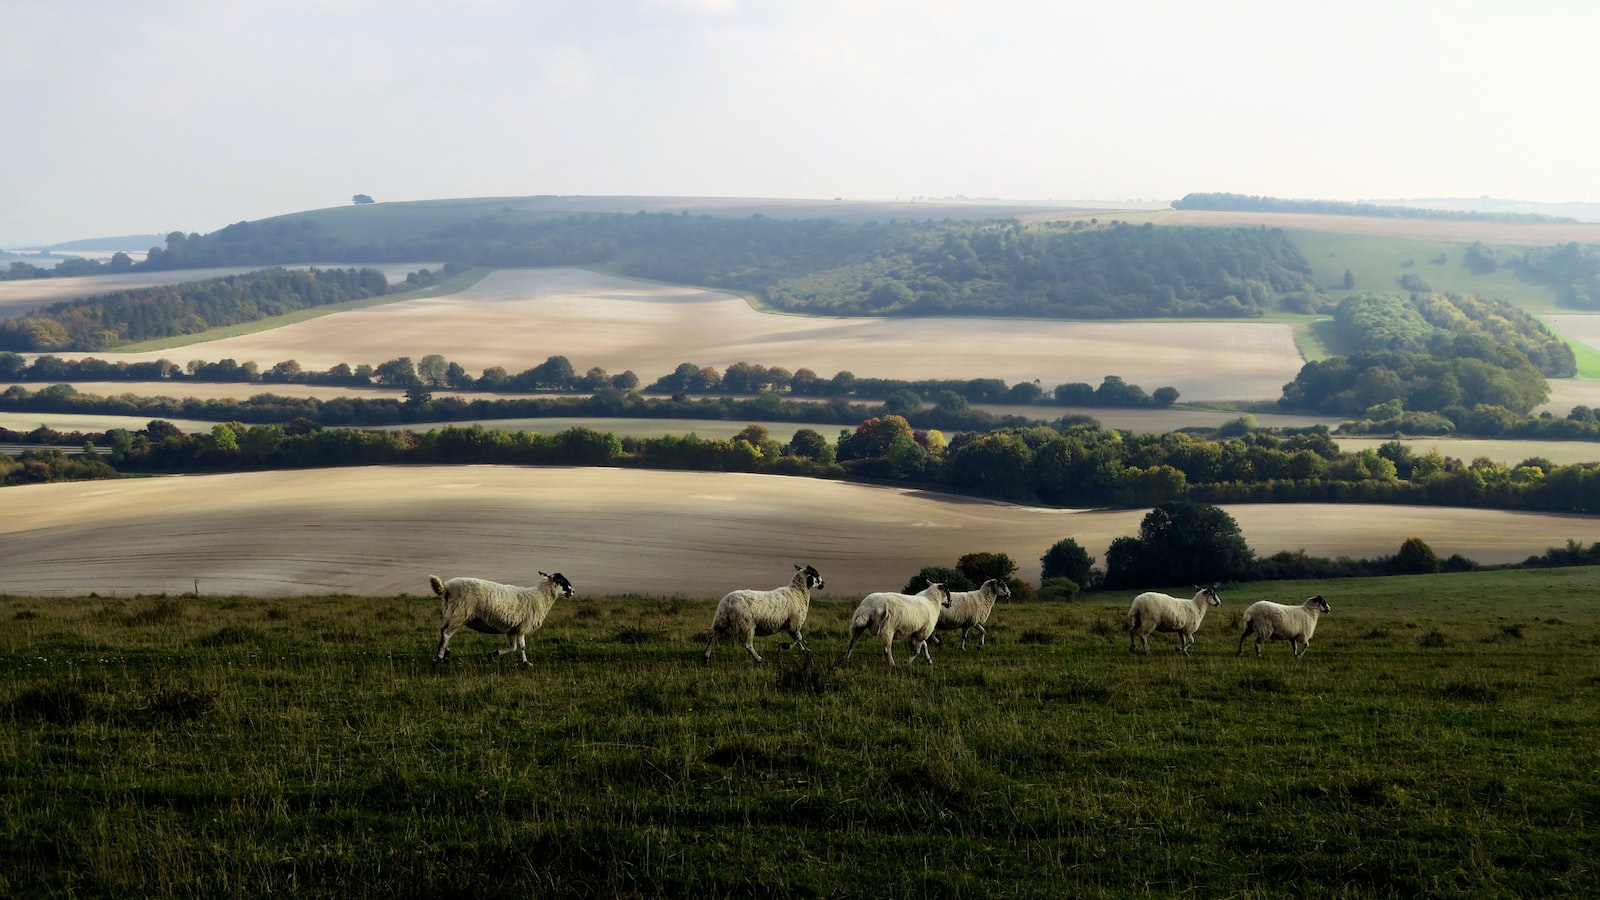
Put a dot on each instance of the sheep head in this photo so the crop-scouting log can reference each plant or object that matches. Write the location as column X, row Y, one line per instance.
column 1209, row 595
column 1319, row 604
column 560, row 581
column 938, row 593
column 813, row 578
column 1002, row 591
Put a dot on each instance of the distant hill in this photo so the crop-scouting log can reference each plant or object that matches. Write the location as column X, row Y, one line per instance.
column 1578, row 211
column 1227, row 202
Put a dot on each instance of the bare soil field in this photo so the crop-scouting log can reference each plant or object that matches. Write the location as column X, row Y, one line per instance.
column 382, row 531
column 519, row 318
column 1462, row 230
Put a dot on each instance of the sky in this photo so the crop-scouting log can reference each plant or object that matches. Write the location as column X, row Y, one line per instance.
column 190, row 115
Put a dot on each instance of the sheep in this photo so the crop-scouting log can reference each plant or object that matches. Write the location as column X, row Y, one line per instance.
column 874, row 610
column 1152, row 611
column 494, row 608
column 760, row 613
column 970, row 609
column 891, row 615
column 1281, row 622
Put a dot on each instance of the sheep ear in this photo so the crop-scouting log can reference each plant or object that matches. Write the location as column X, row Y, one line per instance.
column 543, row 575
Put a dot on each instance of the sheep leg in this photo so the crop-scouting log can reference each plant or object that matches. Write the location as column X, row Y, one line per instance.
column 964, row 633
column 855, row 634
column 709, row 644
column 444, row 645
column 510, row 647
column 515, row 643
column 1241, row 640
column 983, row 637
column 750, row 644
column 1298, row 648
column 923, row 647
column 888, row 648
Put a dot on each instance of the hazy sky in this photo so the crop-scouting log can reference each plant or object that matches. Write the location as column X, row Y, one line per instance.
column 192, row 114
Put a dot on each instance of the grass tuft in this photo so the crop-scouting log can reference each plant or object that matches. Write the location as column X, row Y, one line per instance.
column 164, row 611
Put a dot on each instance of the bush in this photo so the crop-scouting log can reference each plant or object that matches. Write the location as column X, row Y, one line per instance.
column 1058, row 589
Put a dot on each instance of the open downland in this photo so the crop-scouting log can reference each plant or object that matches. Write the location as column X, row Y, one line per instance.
column 519, row 318
column 1463, row 231
column 382, row 531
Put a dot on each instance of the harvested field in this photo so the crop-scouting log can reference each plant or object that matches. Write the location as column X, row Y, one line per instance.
column 382, row 531
column 519, row 318
column 1504, row 452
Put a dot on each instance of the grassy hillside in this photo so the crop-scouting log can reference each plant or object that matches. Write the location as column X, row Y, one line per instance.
column 1378, row 264
column 416, row 218
column 1436, row 739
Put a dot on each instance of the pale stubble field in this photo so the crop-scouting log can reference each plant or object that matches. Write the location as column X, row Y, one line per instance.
column 380, row 532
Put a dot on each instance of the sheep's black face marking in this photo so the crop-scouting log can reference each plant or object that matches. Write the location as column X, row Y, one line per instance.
column 566, row 586
column 813, row 577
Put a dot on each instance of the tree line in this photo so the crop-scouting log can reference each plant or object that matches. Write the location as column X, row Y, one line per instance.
column 1253, row 203
column 1071, row 462
column 557, row 374
column 121, row 317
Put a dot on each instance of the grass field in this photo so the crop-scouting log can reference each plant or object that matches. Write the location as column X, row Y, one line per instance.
column 1437, row 739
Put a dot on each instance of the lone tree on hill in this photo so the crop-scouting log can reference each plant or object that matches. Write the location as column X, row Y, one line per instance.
column 1180, row 543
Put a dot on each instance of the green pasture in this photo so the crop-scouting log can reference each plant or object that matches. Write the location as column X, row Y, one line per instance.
column 1377, row 264
column 1437, row 739
column 412, row 219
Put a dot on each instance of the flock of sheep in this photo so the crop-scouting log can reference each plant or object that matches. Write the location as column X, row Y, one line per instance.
column 516, row 612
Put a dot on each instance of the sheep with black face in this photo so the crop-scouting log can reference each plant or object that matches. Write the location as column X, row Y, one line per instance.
column 494, row 608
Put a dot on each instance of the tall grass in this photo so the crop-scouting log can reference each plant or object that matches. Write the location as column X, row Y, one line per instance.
column 1438, row 737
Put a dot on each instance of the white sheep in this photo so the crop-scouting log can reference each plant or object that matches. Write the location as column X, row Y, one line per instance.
column 1152, row 611
column 753, row 614
column 914, row 617
column 970, row 609
column 494, row 608
column 875, row 609
column 1279, row 622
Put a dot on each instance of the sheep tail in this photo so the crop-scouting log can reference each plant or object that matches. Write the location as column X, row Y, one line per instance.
column 438, row 586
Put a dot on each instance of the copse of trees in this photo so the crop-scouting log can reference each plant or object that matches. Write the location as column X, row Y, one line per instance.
column 1433, row 323
column 1571, row 269
column 1469, row 373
